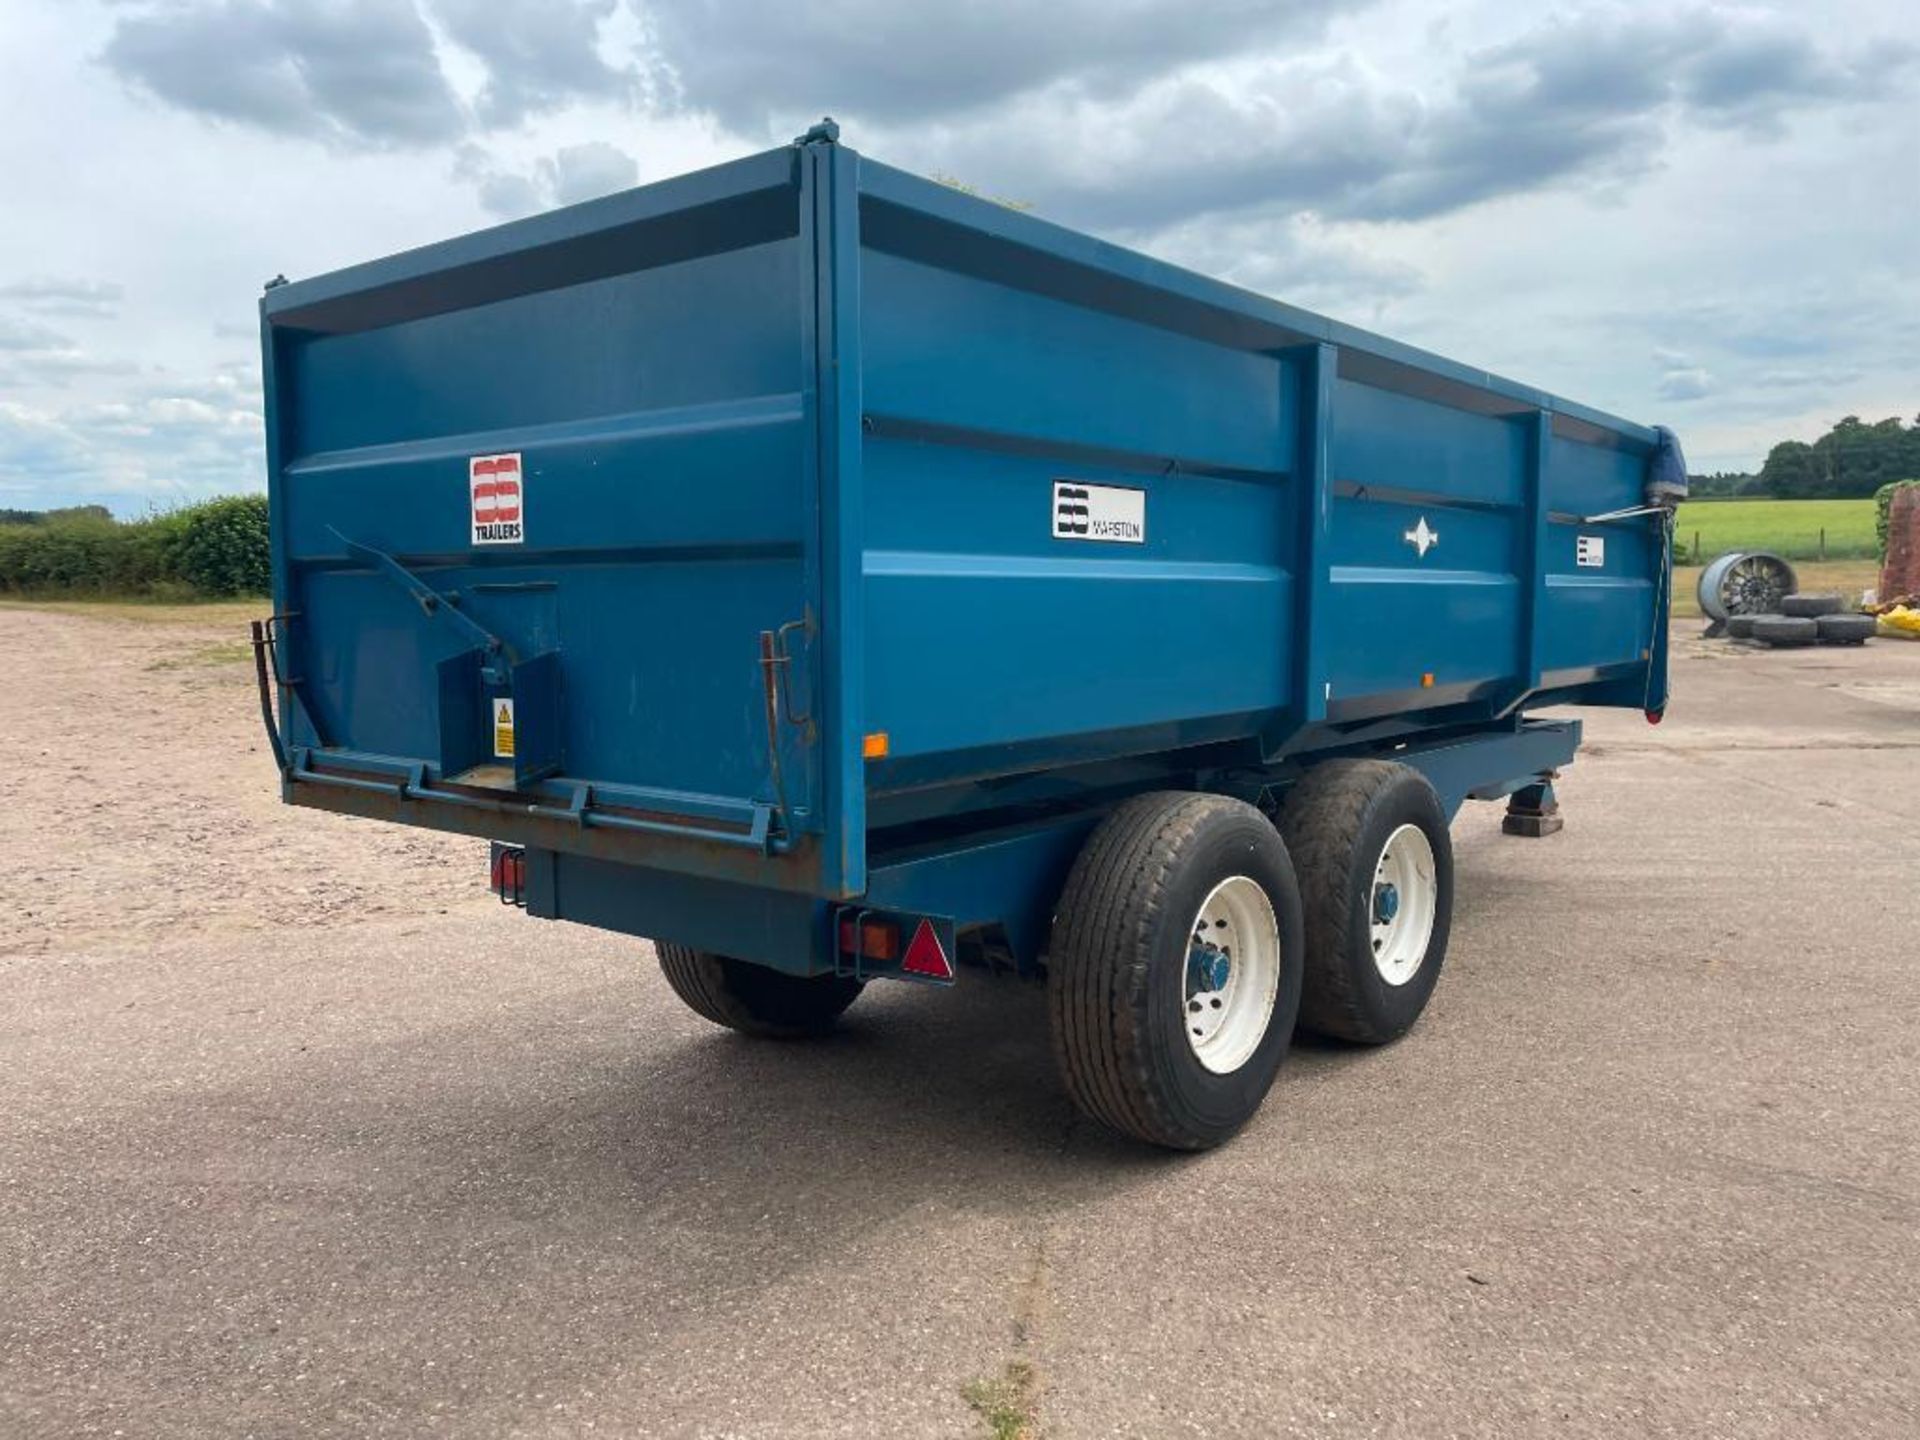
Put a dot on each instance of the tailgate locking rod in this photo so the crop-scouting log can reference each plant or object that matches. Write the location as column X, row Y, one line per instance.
column 772, row 658
column 776, row 684
column 432, row 603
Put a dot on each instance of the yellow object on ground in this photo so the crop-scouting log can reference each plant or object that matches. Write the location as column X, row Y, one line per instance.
column 1902, row 621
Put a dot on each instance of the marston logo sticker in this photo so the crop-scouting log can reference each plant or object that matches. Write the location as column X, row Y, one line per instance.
column 1085, row 511
column 499, row 499
column 1070, row 516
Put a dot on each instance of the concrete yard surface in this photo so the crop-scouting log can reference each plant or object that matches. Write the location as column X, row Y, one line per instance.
column 305, row 1134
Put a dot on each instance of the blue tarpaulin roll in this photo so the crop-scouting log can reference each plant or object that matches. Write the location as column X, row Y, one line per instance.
column 1666, row 468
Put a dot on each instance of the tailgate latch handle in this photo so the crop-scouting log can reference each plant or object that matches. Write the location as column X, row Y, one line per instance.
column 432, row 603
column 781, row 658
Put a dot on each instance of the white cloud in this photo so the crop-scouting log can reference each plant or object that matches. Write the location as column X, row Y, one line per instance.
column 348, row 72
column 570, row 175
column 29, row 337
column 1691, row 211
column 51, row 295
column 765, row 66
column 586, row 172
column 1678, row 385
column 537, row 55
column 1292, row 254
column 163, row 440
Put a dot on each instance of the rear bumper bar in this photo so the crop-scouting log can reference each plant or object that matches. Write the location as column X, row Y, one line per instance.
column 676, row 830
column 582, row 805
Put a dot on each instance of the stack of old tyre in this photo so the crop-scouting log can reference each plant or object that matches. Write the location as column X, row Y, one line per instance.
column 1804, row 620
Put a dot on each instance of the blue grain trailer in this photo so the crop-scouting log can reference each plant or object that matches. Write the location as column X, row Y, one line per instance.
column 829, row 576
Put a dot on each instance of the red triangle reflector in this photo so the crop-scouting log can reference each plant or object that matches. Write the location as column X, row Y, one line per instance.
column 925, row 956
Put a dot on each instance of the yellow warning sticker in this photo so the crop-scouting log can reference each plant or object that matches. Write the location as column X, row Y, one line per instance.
column 503, row 729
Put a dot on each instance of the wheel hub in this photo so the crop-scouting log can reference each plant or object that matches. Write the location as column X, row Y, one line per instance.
column 1232, row 975
column 1405, row 901
column 1208, row 968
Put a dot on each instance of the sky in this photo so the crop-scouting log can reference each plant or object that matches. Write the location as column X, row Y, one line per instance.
column 1697, row 213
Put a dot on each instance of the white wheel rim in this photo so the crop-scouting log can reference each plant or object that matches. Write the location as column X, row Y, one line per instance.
column 1401, row 905
column 1232, row 974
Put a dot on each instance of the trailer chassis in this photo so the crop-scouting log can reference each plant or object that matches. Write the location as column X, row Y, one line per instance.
column 992, row 888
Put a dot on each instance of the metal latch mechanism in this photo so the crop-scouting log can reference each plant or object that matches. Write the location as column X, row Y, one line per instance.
column 776, row 687
column 499, row 715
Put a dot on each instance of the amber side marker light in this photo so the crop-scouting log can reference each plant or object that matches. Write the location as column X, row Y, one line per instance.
column 874, row 747
column 1426, row 681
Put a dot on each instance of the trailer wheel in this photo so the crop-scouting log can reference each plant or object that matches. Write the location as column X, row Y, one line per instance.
column 753, row 999
column 1375, row 859
column 1175, row 969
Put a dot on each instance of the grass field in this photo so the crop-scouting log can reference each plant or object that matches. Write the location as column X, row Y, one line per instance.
column 236, row 613
column 1790, row 528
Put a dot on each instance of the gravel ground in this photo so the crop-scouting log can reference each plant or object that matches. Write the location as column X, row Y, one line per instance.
column 135, row 747
column 305, row 1135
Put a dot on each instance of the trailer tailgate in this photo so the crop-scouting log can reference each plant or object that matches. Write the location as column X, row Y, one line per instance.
column 545, row 524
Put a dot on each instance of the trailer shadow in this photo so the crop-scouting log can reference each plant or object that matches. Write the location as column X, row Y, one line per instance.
column 562, row 1199
column 565, row 1187
column 915, row 1080
column 542, row 1203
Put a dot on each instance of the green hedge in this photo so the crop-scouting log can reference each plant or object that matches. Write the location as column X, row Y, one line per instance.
column 218, row 548
column 1883, row 506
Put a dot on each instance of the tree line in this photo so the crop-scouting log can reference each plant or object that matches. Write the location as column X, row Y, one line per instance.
column 1850, row 462
column 47, row 517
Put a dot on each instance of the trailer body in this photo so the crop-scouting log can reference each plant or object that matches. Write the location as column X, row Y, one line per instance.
column 800, row 542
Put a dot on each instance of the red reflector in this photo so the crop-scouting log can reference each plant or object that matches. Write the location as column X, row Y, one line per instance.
column 1654, row 717
column 925, row 955
column 879, row 939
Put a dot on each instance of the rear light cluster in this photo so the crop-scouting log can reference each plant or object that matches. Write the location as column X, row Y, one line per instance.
column 870, row 940
column 509, row 874
column 874, row 941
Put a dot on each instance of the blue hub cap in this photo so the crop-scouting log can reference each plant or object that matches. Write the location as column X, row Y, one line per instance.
column 1208, row 969
column 1386, row 904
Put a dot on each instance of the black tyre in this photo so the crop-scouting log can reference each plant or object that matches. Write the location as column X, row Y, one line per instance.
column 1811, row 607
column 753, row 999
column 1846, row 629
column 1369, row 840
column 1158, row 1033
column 1785, row 632
column 1740, row 627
